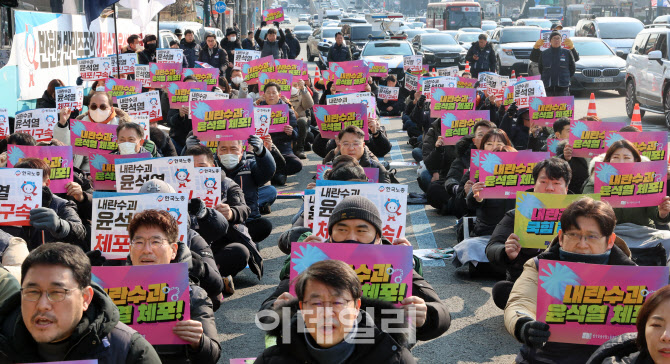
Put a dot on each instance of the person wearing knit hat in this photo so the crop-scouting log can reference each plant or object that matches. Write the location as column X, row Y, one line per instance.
column 357, row 220
column 556, row 64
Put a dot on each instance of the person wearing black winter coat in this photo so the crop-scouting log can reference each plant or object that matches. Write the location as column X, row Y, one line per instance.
column 191, row 48
column 481, row 56
column 98, row 333
column 516, row 123
column 206, row 348
column 293, row 45
column 213, row 54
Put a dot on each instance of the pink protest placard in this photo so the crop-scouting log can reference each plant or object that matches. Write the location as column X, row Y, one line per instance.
column 332, row 118
column 592, row 303
column 58, row 158
column 464, row 82
column 447, row 99
column 295, row 67
column 151, row 299
column 505, row 173
column 93, row 361
column 103, row 175
column 457, row 124
column 651, row 144
column 588, row 137
column 273, row 15
column 283, row 80
column 378, row 69
column 208, row 75
column 278, row 118
column 120, row 87
column 223, row 119
column 253, row 69
column 162, row 73
column 86, row 136
column 552, row 146
column 385, row 271
column 371, row 173
column 349, row 76
column 178, row 92
column 243, row 361
column 637, row 184
column 545, row 110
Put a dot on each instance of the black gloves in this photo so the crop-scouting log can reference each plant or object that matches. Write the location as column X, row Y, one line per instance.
column 44, row 218
column 511, row 111
column 534, row 333
column 263, row 23
column 256, row 143
column 276, row 24
column 96, row 258
column 197, row 208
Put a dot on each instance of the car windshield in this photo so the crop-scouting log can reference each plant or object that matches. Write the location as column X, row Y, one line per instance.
column 592, row 48
column 486, row 27
column 358, row 33
column 470, row 30
column 432, row 39
column 468, row 37
column 387, row 49
column 329, row 33
column 461, row 19
column 520, row 35
column 302, row 27
column 542, row 23
column 620, row 30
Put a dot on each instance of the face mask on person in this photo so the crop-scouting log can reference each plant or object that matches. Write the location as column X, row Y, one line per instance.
column 150, row 47
column 229, row 160
column 232, row 39
column 98, row 115
column 127, row 148
column 294, row 91
column 237, row 80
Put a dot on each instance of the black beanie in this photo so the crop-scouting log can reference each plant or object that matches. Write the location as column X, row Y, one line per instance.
column 356, row 207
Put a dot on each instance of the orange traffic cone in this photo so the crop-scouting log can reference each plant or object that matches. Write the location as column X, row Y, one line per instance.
column 467, row 66
column 592, row 106
column 317, row 76
column 434, row 73
column 513, row 75
column 636, row 120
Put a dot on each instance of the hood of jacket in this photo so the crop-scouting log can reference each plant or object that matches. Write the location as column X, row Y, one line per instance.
column 375, row 306
column 98, row 321
column 601, row 158
column 620, row 350
column 519, row 120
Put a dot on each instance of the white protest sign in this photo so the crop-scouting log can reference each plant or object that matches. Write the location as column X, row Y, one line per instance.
column 413, row 63
column 127, row 61
column 390, row 199
column 495, row 85
column 449, row 71
column 178, row 172
column 146, row 103
column 94, row 68
column 481, row 78
column 112, row 214
column 4, row 123
column 38, row 122
column 544, row 34
column 143, row 74
column 208, row 185
column 69, row 96
column 308, row 209
column 411, row 82
column 388, row 93
column 169, row 55
column 197, row 95
column 262, row 118
column 427, row 84
column 525, row 90
column 20, row 192
column 243, row 56
column 365, row 98
column 145, row 122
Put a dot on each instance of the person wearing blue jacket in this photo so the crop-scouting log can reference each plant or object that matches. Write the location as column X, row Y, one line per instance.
column 283, row 140
column 251, row 171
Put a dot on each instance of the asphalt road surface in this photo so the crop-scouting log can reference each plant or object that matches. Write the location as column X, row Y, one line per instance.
column 477, row 333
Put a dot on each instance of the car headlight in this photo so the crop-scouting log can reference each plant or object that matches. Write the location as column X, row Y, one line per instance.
column 578, row 70
column 428, row 54
column 509, row 52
